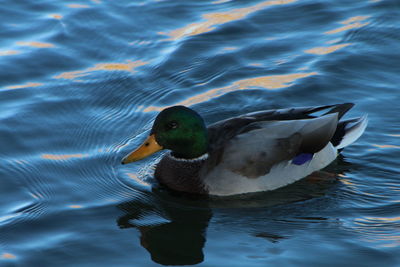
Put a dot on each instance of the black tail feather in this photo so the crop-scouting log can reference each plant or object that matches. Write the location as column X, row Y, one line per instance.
column 341, row 109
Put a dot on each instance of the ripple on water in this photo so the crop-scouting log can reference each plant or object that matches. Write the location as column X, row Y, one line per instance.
column 28, row 203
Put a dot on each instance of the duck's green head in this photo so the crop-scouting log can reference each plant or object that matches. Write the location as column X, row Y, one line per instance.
column 178, row 129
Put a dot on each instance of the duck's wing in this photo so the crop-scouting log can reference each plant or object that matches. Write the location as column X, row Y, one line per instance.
column 222, row 131
column 253, row 143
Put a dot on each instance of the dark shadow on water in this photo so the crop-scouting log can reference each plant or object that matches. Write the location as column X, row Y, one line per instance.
column 180, row 236
column 173, row 227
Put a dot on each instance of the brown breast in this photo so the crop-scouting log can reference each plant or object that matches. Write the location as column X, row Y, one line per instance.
column 180, row 175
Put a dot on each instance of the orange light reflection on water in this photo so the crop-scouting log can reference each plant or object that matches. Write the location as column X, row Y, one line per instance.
column 380, row 229
column 8, row 256
column 128, row 66
column 212, row 20
column 351, row 23
column 35, row 44
column 63, row 157
column 77, row 6
column 323, row 50
column 267, row 82
column 9, row 52
column 27, row 85
column 56, row 16
column 75, row 206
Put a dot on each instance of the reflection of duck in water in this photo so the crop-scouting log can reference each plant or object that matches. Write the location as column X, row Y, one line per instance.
column 258, row 151
column 173, row 227
column 178, row 239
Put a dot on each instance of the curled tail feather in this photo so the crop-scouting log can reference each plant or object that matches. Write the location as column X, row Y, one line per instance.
column 349, row 131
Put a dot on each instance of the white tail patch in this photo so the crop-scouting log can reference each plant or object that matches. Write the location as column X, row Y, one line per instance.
column 353, row 131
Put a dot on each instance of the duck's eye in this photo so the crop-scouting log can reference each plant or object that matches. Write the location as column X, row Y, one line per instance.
column 172, row 125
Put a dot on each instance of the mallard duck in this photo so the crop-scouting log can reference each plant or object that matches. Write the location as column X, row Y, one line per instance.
column 254, row 152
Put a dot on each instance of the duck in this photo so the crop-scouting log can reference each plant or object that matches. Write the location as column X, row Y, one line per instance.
column 253, row 152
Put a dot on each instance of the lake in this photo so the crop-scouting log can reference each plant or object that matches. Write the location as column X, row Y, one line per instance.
column 82, row 81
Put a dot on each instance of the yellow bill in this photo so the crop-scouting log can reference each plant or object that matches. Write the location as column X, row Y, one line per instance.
column 149, row 147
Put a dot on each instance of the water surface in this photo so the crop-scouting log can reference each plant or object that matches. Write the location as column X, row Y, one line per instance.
column 81, row 82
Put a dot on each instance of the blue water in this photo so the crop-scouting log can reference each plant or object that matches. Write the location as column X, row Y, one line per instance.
column 81, row 82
